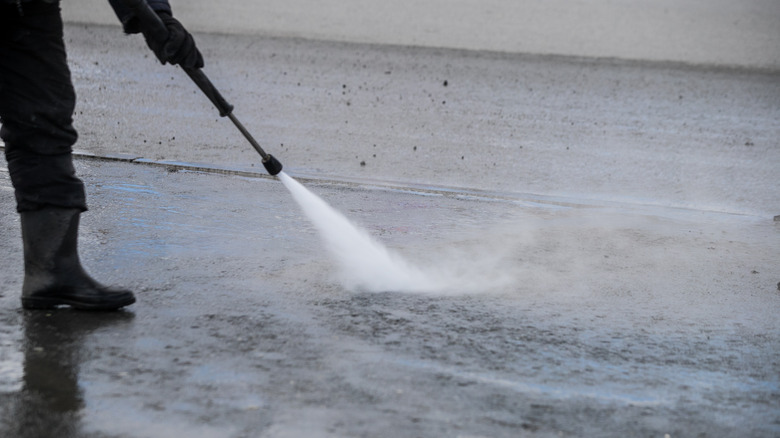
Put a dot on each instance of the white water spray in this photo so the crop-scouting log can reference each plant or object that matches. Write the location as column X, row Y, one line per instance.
column 367, row 264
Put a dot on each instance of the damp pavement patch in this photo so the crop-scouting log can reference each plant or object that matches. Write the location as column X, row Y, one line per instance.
column 623, row 320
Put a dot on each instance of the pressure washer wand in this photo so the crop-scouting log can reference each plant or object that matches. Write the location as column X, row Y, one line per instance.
column 143, row 12
column 272, row 165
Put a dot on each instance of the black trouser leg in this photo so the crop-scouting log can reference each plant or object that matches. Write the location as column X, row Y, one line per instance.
column 36, row 110
column 36, row 107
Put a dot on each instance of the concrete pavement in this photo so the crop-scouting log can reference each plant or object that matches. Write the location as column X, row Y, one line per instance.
column 621, row 321
column 637, row 132
column 631, row 202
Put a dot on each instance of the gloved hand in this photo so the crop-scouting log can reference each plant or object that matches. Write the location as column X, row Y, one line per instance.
column 179, row 48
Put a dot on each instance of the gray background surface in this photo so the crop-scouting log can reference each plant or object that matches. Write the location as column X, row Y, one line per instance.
column 722, row 32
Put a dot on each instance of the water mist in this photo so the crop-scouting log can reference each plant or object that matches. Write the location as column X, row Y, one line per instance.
column 366, row 264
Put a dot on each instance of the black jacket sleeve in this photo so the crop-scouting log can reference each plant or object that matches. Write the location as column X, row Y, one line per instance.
column 125, row 15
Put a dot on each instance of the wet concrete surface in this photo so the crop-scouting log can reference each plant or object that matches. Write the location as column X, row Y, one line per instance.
column 623, row 321
column 632, row 203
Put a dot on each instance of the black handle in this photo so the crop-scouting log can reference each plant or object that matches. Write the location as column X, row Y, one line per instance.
column 203, row 82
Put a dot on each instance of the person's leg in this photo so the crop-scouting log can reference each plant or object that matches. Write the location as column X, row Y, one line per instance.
column 36, row 109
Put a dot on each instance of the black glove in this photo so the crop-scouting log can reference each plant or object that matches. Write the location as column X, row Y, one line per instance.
column 179, row 48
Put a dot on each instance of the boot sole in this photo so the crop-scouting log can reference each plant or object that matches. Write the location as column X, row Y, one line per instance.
column 52, row 302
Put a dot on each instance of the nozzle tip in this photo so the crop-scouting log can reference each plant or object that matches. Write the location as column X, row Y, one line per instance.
column 272, row 165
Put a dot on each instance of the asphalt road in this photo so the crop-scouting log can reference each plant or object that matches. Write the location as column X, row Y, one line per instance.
column 631, row 202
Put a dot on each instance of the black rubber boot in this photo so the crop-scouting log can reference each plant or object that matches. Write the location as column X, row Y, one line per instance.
column 53, row 274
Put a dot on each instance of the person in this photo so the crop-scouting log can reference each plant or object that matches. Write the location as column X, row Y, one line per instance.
column 37, row 101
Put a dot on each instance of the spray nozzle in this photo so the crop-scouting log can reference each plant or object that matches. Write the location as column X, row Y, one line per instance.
column 272, row 165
